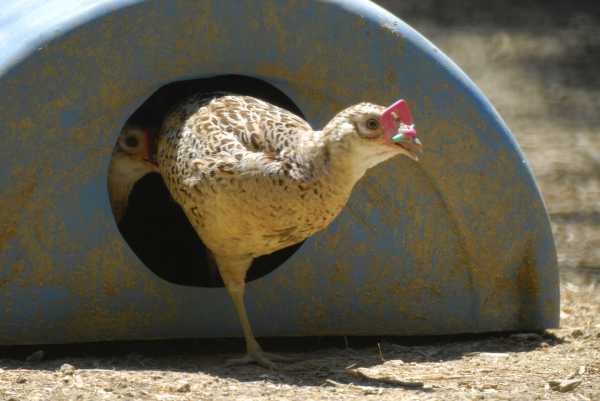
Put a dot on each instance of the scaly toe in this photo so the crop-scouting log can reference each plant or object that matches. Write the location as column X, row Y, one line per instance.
column 279, row 358
column 257, row 357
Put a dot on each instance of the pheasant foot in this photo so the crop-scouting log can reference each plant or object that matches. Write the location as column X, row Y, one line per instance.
column 264, row 359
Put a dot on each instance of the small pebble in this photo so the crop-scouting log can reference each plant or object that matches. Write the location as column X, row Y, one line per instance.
column 564, row 386
column 577, row 333
column 21, row 380
column 184, row 388
column 67, row 369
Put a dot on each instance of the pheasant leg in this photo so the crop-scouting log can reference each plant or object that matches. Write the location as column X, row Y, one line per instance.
column 233, row 273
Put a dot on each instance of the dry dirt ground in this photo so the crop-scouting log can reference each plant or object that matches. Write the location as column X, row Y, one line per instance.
column 538, row 64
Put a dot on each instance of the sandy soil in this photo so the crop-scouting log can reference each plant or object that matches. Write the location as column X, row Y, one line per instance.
column 538, row 65
column 556, row 365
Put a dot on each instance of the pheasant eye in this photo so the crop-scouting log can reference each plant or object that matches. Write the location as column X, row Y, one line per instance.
column 131, row 142
column 372, row 123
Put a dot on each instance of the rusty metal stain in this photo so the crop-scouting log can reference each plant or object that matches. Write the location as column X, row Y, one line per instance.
column 12, row 201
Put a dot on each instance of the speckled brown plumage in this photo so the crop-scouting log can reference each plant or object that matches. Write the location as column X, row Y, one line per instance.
column 231, row 164
column 253, row 178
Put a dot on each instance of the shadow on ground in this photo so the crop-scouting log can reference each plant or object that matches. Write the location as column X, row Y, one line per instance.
column 316, row 360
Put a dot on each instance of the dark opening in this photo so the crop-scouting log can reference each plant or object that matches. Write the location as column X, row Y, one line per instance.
column 155, row 226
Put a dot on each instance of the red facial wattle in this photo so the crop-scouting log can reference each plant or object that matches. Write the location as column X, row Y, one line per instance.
column 397, row 122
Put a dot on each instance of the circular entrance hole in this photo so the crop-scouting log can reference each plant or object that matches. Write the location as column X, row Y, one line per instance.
column 154, row 225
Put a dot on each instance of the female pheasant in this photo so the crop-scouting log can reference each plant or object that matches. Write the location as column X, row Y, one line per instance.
column 253, row 178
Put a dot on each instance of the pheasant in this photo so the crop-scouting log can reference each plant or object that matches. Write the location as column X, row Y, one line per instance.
column 131, row 160
column 253, row 178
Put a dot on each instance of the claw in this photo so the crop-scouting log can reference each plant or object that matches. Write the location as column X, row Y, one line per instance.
column 251, row 358
column 261, row 358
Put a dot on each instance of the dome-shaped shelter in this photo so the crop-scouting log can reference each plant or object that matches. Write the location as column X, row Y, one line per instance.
column 459, row 243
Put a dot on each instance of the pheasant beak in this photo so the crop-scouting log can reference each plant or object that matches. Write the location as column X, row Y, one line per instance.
column 399, row 129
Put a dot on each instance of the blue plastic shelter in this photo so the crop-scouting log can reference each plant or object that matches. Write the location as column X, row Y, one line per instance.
column 458, row 243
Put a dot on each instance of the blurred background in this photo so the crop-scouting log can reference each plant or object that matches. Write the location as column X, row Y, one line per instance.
column 539, row 64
